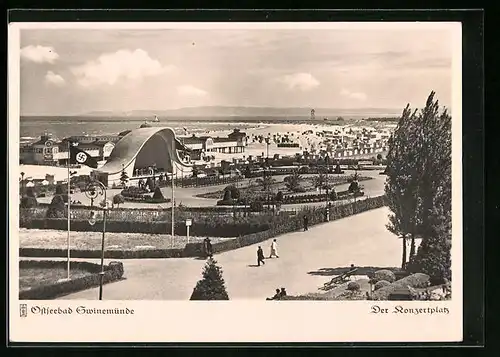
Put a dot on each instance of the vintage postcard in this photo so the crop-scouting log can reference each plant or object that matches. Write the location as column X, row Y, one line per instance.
column 235, row 182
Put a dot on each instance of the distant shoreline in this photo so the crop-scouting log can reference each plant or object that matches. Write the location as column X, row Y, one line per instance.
column 223, row 118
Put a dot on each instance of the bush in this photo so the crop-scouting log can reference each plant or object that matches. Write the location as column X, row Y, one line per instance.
column 133, row 191
column 234, row 192
column 416, row 281
column 212, row 285
column 158, row 195
column 257, row 206
column 118, row 200
column 380, row 284
column 56, row 208
column 30, row 192
column 353, row 286
column 386, row 275
column 28, row 202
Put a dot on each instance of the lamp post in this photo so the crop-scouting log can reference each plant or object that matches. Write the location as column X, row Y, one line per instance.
column 94, row 189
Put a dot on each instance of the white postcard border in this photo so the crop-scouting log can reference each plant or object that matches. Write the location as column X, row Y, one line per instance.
column 236, row 321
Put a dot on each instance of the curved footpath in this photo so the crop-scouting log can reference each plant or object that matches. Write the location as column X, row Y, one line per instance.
column 362, row 240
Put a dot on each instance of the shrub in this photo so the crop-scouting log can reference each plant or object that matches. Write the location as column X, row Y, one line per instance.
column 118, row 200
column 353, row 286
column 279, row 196
column 30, row 192
column 133, row 191
column 417, row 281
column 158, row 195
column 234, row 192
column 386, row 275
column 257, row 206
column 28, row 202
column 212, row 285
column 380, row 284
column 56, row 208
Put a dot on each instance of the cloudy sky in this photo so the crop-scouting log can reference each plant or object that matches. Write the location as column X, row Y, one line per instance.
column 76, row 71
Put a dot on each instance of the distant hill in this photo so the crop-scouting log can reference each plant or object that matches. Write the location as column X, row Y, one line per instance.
column 224, row 111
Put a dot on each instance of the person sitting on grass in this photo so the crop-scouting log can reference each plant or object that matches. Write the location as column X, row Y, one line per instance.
column 282, row 293
column 276, row 296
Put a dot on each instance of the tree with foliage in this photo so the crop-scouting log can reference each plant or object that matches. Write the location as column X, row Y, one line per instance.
column 195, row 171
column 212, row 285
column 293, row 182
column 279, row 196
column 354, row 185
column 248, row 172
column 56, row 208
column 28, row 202
column 118, row 200
column 30, row 192
column 266, row 181
column 402, row 181
column 419, row 186
column 158, row 195
column 234, row 192
column 124, row 177
column 319, row 181
column 433, row 143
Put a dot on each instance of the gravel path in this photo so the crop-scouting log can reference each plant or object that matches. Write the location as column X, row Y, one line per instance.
column 362, row 240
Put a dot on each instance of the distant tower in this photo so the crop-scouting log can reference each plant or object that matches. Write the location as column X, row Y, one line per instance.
column 313, row 114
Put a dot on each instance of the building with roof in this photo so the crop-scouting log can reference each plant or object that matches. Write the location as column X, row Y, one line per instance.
column 142, row 153
column 234, row 143
column 52, row 151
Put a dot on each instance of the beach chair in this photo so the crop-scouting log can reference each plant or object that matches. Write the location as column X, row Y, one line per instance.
column 339, row 279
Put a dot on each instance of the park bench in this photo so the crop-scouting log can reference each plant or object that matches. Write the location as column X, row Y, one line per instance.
column 339, row 279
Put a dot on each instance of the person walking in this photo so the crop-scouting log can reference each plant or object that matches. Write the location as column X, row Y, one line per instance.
column 260, row 256
column 274, row 249
column 306, row 223
column 210, row 251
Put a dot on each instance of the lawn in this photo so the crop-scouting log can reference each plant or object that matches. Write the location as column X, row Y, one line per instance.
column 30, row 278
column 41, row 238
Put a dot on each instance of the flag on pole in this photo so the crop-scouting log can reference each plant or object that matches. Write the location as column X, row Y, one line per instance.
column 78, row 156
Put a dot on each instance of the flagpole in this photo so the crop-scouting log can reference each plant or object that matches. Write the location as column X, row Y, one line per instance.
column 69, row 208
column 173, row 186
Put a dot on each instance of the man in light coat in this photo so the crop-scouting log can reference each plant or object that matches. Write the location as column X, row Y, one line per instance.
column 274, row 249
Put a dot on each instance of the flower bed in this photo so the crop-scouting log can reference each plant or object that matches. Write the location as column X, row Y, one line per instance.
column 112, row 272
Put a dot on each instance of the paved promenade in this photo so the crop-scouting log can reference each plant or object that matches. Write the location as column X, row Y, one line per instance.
column 362, row 240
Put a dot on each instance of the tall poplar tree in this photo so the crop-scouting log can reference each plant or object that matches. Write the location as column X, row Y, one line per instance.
column 401, row 185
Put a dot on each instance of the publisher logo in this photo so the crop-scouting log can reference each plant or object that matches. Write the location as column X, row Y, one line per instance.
column 23, row 310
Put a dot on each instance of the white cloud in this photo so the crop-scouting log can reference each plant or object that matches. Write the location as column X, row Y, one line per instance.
column 191, row 91
column 39, row 54
column 54, row 78
column 300, row 81
column 109, row 68
column 353, row 95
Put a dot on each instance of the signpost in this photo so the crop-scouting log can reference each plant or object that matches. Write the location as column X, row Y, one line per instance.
column 188, row 224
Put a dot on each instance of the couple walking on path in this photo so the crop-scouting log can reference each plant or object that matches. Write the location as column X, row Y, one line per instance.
column 260, row 253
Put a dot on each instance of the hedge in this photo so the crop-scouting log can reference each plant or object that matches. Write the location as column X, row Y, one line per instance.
column 292, row 223
column 112, row 272
column 197, row 229
column 283, row 223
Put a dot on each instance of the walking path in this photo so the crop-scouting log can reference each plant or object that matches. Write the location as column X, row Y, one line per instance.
column 362, row 240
